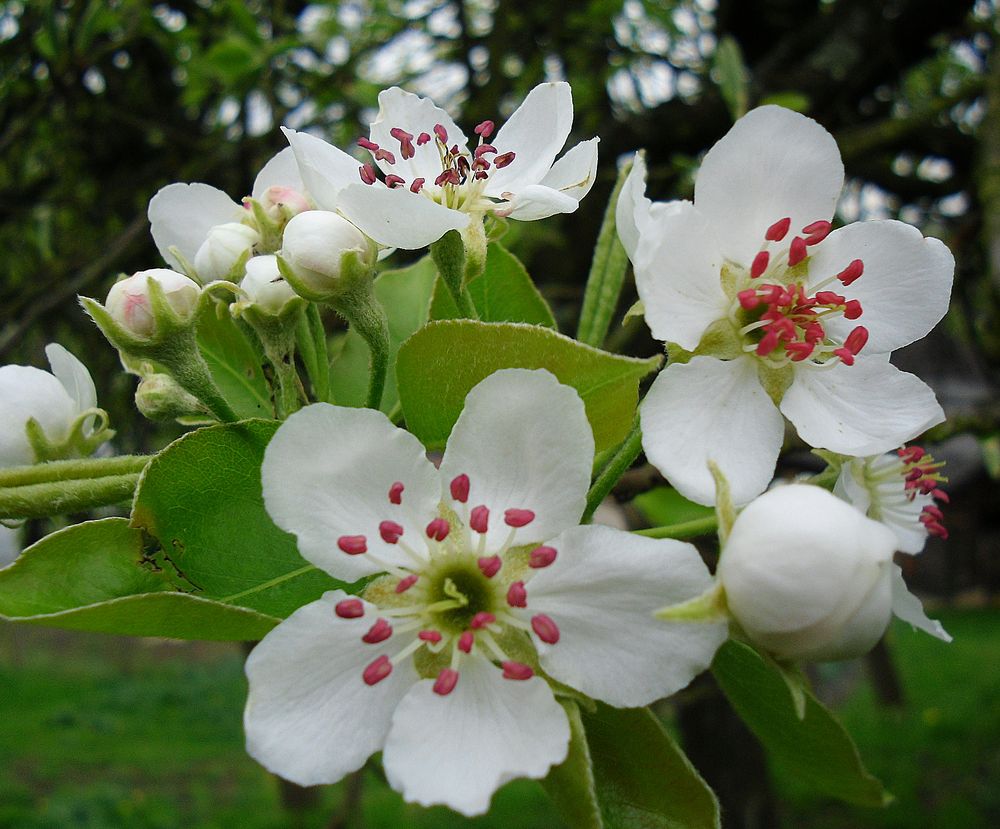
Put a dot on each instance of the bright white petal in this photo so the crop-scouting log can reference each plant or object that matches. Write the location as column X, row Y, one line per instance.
column 632, row 210
column 281, row 171
column 398, row 218
column 535, row 133
column 310, row 717
column 459, row 749
column 602, row 591
column 180, row 216
column 575, row 173
column 710, row 410
column 26, row 393
column 525, row 443
column 73, row 375
column 677, row 274
column 327, row 473
column 910, row 609
column 773, row 163
column 413, row 114
column 325, row 170
column 864, row 409
column 905, row 287
column 536, row 201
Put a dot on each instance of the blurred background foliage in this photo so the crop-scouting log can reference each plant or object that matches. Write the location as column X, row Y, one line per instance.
column 104, row 102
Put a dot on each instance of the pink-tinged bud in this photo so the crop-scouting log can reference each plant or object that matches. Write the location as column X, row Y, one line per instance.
column 422, row 139
column 851, row 272
column 390, row 531
column 128, row 300
column 406, row 583
column 484, row 129
column 489, row 565
column 396, row 493
column 817, row 232
column 377, row 670
column 353, row 545
column 431, row 636
column 797, row 252
column 281, row 201
column 438, row 529
column 441, row 133
column 502, row 161
column 517, row 596
column 394, row 181
column 367, row 173
column 516, row 670
column 545, row 629
column 479, row 519
column 417, row 185
column 481, row 620
column 350, row 609
column 460, row 488
column 542, row 557
column 465, row 642
column 378, row 632
column 446, row 681
column 778, row 231
column 760, row 263
column 518, row 517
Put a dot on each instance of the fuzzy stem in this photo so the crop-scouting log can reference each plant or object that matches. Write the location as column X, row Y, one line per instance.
column 624, row 457
column 62, row 497
column 448, row 254
column 685, row 529
column 71, row 470
column 366, row 316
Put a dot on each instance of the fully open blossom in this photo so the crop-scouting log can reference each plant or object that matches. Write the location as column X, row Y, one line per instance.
column 488, row 587
column 767, row 311
column 55, row 401
column 432, row 181
column 901, row 489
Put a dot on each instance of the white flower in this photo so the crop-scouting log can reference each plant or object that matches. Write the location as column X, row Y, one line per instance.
column 901, row 489
column 433, row 182
column 264, row 286
column 55, row 401
column 488, row 581
column 225, row 250
column 744, row 277
column 808, row 577
column 128, row 301
column 313, row 244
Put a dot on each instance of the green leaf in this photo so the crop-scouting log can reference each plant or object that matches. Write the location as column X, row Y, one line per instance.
column 815, row 748
column 789, row 100
column 201, row 498
column 440, row 364
column 98, row 576
column 731, row 75
column 502, row 293
column 310, row 339
column 665, row 505
column 571, row 784
column 405, row 294
column 233, row 362
column 644, row 780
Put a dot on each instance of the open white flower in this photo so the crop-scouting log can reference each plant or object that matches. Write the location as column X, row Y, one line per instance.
column 56, row 401
column 488, row 581
column 433, row 182
column 776, row 308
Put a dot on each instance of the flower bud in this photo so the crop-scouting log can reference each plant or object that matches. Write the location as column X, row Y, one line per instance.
column 807, row 576
column 282, row 203
column 312, row 247
column 264, row 286
column 160, row 397
column 128, row 301
column 224, row 251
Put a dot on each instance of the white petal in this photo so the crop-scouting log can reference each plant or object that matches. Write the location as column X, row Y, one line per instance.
column 180, row 216
column 398, row 218
column 310, row 717
column 909, row 608
column 459, row 749
column 864, row 409
column 602, row 591
column 773, row 163
column 536, row 201
column 325, row 170
column 73, row 375
column 905, row 287
column 281, row 171
column 575, row 173
column 327, row 473
column 25, row 393
column 632, row 210
column 535, row 133
column 524, row 441
column 677, row 274
column 413, row 114
column 710, row 410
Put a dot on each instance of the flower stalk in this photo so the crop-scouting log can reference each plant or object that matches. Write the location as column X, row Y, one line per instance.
column 449, row 256
column 61, row 497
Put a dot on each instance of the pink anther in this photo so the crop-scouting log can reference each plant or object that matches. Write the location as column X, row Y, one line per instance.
column 797, row 252
column 481, row 620
column 748, row 299
column 484, row 129
column 817, row 232
column 378, row 632
column 479, row 519
column 393, row 181
column 417, row 185
column 438, row 529
column 350, row 609
column 542, row 557
column 406, row 583
column 502, row 161
column 367, row 173
column 516, row 670
column 385, row 155
column 353, row 545
column 465, row 641
column 483, row 149
column 851, row 272
column 390, row 531
column 545, row 628
column 852, row 309
column 367, row 144
column 441, row 133
column 778, row 231
column 422, row 139
column 377, row 670
column 396, row 493
column 518, row 517
column 446, row 681
column 760, row 263
column 460, row 488
column 517, row 596
column 431, row 636
column 489, row 565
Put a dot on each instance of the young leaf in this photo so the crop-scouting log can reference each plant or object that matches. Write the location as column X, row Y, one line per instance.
column 571, row 784
column 730, row 73
column 438, row 366
column 234, row 364
column 816, row 748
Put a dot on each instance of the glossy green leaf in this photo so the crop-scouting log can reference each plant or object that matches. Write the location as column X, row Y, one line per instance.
column 201, row 498
column 502, row 293
column 730, row 73
column 665, row 505
column 102, row 576
column 234, row 364
column 816, row 748
column 571, row 784
column 405, row 294
column 441, row 363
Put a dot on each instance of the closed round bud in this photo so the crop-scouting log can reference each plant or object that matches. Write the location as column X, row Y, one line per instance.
column 264, row 286
column 313, row 244
column 807, row 576
column 282, row 202
column 128, row 301
column 223, row 251
column 160, row 397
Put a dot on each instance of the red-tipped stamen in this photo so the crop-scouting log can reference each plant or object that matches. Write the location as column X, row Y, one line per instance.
column 817, row 232
column 446, row 681
column 778, row 231
column 484, row 129
column 396, row 493
column 353, row 545
column 417, row 185
column 393, row 181
column 378, row 632
column 481, row 620
column 367, row 173
column 479, row 519
column 406, row 583
column 851, row 272
column 438, row 529
column 422, row 139
column 502, row 161
column 518, row 517
column 350, row 609
column 748, row 299
column 760, row 263
column 385, row 155
column 368, row 144
column 431, row 636
column 377, row 670
column 797, row 252
column 489, row 565
column 516, row 670
column 542, row 557
column 545, row 629
column 390, row 531
column 517, row 596
column 460, row 488
column 465, row 641
column 441, row 133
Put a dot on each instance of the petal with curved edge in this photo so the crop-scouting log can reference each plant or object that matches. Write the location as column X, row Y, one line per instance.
column 327, row 473
column 572, row 176
column 602, row 591
column 632, row 209
column 73, row 375
column 864, row 409
column 281, row 171
column 905, row 287
column 398, row 218
column 535, row 133
column 458, row 749
column 325, row 169
column 772, row 164
column 524, row 441
column 711, row 410
column 536, row 201
column 310, row 717
column 909, row 608
column 180, row 216
column 27, row 392
column 413, row 114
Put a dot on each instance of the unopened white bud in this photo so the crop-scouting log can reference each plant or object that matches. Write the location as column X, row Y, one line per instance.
column 313, row 244
column 281, row 202
column 264, row 286
column 807, row 576
column 223, row 251
column 128, row 301
column 160, row 397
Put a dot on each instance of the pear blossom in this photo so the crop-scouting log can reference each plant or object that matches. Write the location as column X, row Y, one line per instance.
column 769, row 313
column 56, row 401
column 264, row 287
column 128, row 301
column 807, row 577
column 313, row 246
column 901, row 489
column 484, row 588
column 432, row 181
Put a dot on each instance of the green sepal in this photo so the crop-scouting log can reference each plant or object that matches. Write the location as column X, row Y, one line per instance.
column 709, row 606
